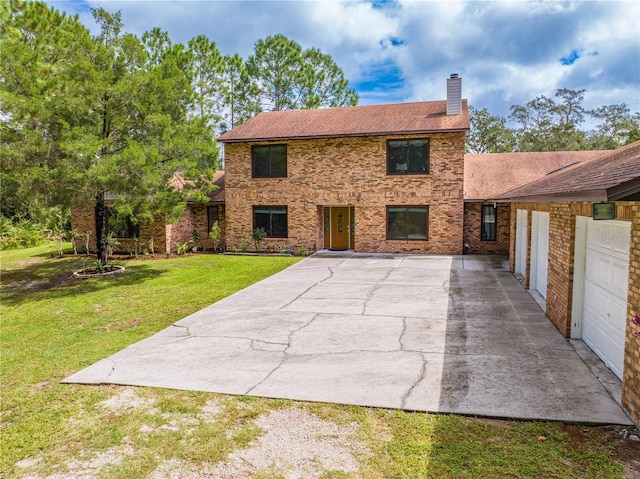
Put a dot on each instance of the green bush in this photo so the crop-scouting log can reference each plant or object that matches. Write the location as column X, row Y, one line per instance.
column 48, row 223
column 258, row 235
column 25, row 234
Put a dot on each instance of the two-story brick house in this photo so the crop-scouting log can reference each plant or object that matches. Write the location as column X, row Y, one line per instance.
column 386, row 178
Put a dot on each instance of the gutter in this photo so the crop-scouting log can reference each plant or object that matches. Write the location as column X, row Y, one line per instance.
column 624, row 189
column 577, row 196
column 341, row 135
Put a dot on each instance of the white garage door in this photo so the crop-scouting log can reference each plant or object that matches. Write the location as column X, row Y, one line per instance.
column 605, row 290
column 539, row 251
column 521, row 242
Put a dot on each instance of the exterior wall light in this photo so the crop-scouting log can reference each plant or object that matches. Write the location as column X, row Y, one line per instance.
column 604, row 211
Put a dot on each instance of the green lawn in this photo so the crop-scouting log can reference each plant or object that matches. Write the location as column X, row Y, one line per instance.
column 53, row 325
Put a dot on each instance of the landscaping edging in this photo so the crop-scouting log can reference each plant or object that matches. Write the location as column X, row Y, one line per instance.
column 93, row 273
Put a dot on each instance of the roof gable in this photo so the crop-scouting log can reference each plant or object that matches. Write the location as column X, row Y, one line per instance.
column 375, row 120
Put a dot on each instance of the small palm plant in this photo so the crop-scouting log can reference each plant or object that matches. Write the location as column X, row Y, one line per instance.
column 215, row 234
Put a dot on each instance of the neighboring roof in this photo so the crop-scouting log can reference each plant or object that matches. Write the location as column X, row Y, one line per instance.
column 489, row 175
column 217, row 196
column 377, row 120
column 612, row 176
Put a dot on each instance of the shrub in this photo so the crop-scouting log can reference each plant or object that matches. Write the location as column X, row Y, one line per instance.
column 195, row 234
column 182, row 248
column 258, row 235
column 215, row 234
column 22, row 235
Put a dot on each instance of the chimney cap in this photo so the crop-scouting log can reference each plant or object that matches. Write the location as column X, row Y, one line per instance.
column 454, row 75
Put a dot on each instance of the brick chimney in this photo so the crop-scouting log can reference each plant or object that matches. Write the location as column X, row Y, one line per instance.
column 454, row 95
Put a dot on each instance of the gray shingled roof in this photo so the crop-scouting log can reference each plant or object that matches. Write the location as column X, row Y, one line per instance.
column 401, row 118
column 613, row 175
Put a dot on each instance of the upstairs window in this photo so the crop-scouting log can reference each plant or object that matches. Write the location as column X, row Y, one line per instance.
column 121, row 226
column 269, row 161
column 488, row 228
column 273, row 219
column 406, row 157
column 407, row 222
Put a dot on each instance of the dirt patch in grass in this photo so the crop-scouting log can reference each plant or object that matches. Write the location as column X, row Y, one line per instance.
column 295, row 444
column 625, row 448
column 88, row 468
column 624, row 443
column 291, row 442
column 126, row 401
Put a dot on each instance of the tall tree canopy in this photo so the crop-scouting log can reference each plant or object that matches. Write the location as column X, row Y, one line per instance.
column 91, row 118
column 289, row 78
column 238, row 94
column 489, row 133
column 40, row 72
column 553, row 124
column 206, row 65
column 545, row 124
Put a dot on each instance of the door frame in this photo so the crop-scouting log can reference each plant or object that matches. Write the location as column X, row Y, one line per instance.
column 350, row 225
column 521, row 242
column 536, row 217
column 579, row 273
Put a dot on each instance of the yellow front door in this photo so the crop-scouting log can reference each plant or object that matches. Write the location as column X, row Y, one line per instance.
column 338, row 232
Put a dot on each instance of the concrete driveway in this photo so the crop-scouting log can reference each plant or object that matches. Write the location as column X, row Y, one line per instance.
column 453, row 334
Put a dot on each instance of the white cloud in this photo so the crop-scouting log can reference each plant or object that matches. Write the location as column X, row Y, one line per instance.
column 507, row 52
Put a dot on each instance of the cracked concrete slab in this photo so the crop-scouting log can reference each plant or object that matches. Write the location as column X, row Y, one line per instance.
column 373, row 378
column 453, row 334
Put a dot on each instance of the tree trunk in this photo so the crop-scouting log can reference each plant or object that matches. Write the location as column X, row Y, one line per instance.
column 101, row 228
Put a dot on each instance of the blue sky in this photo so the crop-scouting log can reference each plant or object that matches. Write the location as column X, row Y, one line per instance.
column 507, row 52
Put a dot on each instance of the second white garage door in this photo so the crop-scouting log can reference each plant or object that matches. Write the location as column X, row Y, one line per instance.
column 539, row 252
column 606, row 279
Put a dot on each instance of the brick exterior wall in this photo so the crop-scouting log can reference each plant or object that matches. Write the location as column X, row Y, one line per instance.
column 560, row 277
column 195, row 217
column 83, row 221
column 473, row 224
column 562, row 236
column 164, row 235
column 631, row 376
column 349, row 172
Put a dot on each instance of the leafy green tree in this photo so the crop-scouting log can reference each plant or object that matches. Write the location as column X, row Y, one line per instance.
column 535, row 120
column 549, row 125
column 289, row 78
column 143, row 132
column 206, row 66
column 276, row 66
column 324, row 83
column 94, row 119
column 545, row 124
column 43, row 59
column 156, row 43
column 238, row 93
column 617, row 126
column 489, row 133
column 569, row 111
